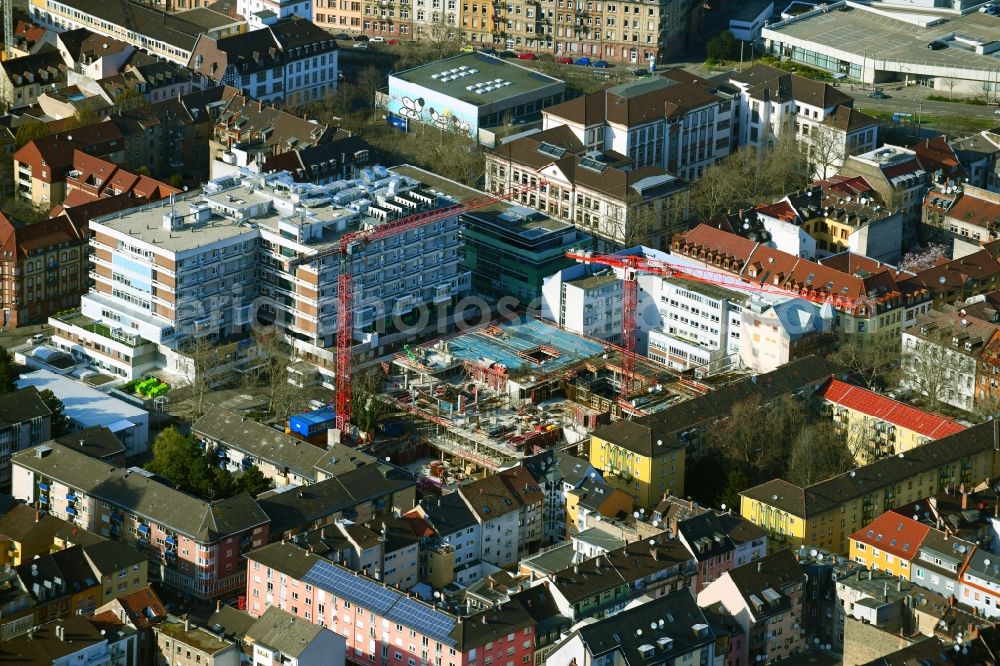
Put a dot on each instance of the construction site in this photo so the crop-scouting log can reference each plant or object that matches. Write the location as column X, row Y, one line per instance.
column 513, row 388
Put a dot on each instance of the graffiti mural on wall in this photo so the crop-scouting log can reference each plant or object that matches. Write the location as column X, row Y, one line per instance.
column 418, row 109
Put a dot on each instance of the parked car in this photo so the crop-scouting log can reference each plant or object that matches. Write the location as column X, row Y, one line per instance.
column 640, row 73
column 393, row 42
column 584, row 62
column 361, row 38
column 377, row 40
column 488, row 51
column 877, row 94
column 604, row 64
column 467, row 49
column 507, row 54
column 527, row 56
column 37, row 339
column 564, row 61
column 936, row 45
column 342, row 35
column 360, row 45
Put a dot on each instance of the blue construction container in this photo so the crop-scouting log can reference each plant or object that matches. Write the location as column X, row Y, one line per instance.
column 313, row 423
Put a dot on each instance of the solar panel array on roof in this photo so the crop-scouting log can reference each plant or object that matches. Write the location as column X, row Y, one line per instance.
column 387, row 602
column 423, row 619
column 593, row 164
column 353, row 588
column 552, row 151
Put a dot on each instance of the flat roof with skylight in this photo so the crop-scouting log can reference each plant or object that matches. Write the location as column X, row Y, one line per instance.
column 479, row 79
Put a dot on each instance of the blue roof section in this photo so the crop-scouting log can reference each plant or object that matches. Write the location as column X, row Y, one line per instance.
column 522, row 336
column 387, row 602
column 303, row 423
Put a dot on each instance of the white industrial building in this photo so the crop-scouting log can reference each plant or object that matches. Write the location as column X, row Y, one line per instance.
column 945, row 46
column 585, row 300
column 700, row 326
column 86, row 407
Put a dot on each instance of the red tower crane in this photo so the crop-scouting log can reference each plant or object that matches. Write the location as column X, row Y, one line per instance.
column 345, row 279
column 634, row 264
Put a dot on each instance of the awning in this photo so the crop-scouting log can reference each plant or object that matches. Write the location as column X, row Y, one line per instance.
column 43, row 486
column 71, row 511
column 171, row 540
column 144, row 529
column 71, row 497
column 43, row 500
column 118, row 426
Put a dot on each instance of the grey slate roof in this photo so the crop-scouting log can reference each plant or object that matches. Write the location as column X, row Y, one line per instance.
column 244, row 434
column 188, row 515
column 828, row 494
column 675, row 616
column 285, row 557
column 108, row 557
column 98, row 442
column 22, row 405
column 282, row 631
column 642, row 434
column 447, row 514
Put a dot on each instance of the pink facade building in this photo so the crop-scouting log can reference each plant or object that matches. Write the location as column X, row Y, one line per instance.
column 720, row 542
column 194, row 546
column 383, row 625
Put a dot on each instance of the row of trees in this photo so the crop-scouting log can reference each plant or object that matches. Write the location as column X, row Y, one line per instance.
column 179, row 459
column 761, row 441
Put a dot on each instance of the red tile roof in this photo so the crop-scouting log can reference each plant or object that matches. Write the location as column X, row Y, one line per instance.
column 893, row 533
column 891, row 411
column 144, row 608
column 978, row 212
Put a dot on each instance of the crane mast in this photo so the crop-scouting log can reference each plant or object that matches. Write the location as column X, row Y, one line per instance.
column 345, row 280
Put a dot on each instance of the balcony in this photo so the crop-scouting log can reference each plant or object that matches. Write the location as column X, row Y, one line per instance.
column 76, row 318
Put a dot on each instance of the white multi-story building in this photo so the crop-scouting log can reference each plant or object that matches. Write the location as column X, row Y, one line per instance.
column 675, row 121
column 700, row 325
column 292, row 61
column 775, row 104
column 210, row 264
column 278, row 637
column 585, row 301
column 260, row 13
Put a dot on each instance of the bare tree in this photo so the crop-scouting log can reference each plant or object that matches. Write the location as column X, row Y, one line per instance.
column 751, row 176
column 931, row 366
column 207, row 365
column 827, row 150
column 368, row 83
column 270, row 376
column 873, row 357
column 818, row 452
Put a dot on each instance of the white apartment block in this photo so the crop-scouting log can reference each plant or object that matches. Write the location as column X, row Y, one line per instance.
column 292, row 61
column 260, row 13
column 775, row 104
column 211, row 263
column 585, row 302
column 674, row 121
column 700, row 325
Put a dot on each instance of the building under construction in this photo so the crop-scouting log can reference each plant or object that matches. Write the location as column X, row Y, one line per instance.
column 512, row 388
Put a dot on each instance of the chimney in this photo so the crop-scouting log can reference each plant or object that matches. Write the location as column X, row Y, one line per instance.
column 187, row 625
column 218, row 605
column 965, row 497
column 576, row 568
column 61, row 632
column 38, row 515
column 758, row 567
column 885, row 591
column 655, row 553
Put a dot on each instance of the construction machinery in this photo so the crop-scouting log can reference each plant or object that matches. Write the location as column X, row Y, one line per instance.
column 345, row 280
column 632, row 265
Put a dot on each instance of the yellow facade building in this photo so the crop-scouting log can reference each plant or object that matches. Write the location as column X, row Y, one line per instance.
column 640, row 460
column 825, row 514
column 889, row 543
column 877, row 427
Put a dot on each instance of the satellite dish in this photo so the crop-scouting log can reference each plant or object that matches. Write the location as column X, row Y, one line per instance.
column 635, row 514
column 652, row 542
column 813, row 552
column 723, row 507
